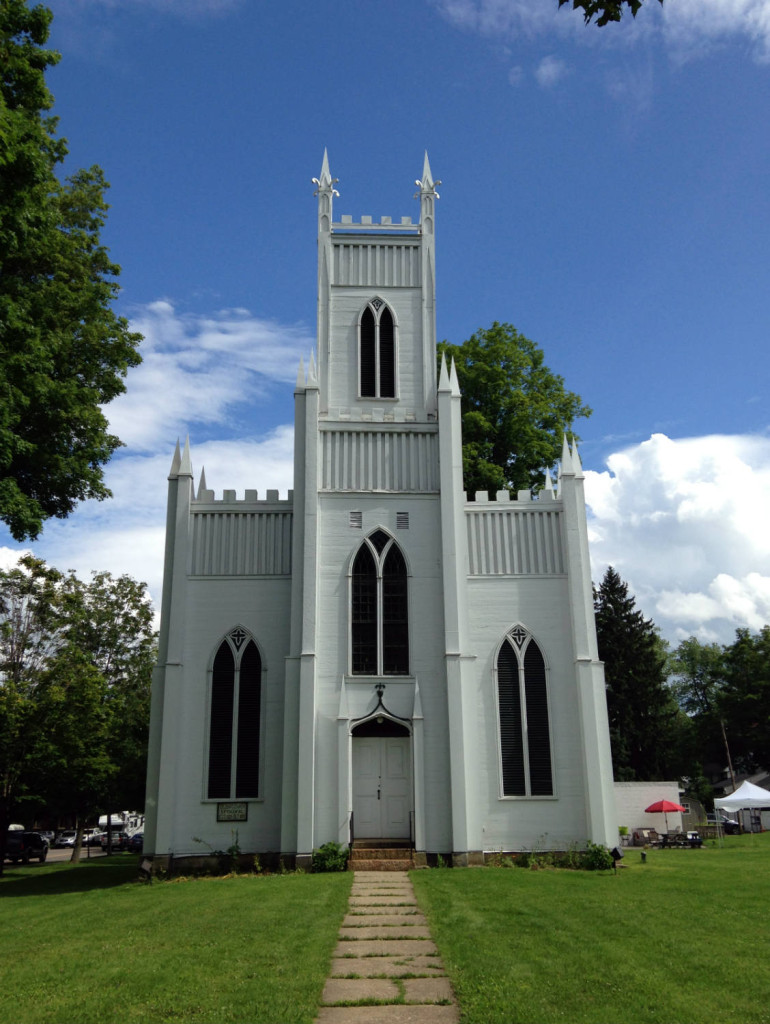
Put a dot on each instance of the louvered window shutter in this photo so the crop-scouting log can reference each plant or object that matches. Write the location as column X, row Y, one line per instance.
column 511, row 745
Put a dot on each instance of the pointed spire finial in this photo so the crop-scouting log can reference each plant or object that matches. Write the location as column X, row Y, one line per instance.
column 426, row 184
column 300, row 385
column 202, row 484
column 312, row 377
column 185, row 468
column 566, row 468
column 325, row 182
column 175, row 462
column 453, row 381
column 548, row 487
column 443, row 375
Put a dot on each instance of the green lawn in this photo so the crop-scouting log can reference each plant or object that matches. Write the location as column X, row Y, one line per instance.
column 87, row 943
column 682, row 939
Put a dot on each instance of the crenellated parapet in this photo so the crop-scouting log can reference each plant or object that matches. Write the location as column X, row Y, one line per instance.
column 402, row 224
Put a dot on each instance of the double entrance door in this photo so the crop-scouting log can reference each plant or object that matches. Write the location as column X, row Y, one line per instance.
column 382, row 785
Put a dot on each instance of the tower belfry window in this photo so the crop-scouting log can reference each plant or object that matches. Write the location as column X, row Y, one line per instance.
column 377, row 352
column 379, row 609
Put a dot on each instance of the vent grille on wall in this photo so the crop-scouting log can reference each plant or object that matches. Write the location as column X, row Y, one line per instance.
column 402, row 520
column 356, row 520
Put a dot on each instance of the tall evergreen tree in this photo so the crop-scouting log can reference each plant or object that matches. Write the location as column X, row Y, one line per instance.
column 645, row 723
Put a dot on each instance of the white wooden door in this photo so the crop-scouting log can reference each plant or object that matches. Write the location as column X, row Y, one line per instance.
column 382, row 787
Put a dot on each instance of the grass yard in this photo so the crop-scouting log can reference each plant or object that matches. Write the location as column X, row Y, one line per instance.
column 682, row 939
column 88, row 943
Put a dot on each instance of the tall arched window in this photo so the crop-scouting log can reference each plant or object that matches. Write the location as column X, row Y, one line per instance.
column 234, row 724
column 379, row 609
column 377, row 352
column 525, row 739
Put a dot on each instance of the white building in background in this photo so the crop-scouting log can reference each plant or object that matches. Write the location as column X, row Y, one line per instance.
column 375, row 654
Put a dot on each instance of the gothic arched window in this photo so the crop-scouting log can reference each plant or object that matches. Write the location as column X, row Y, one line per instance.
column 379, row 609
column 377, row 352
column 234, row 723
column 525, row 740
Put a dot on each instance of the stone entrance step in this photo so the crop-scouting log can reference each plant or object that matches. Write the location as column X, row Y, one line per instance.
column 381, row 855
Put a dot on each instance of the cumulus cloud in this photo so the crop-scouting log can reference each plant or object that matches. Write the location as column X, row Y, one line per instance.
column 550, row 70
column 199, row 369
column 126, row 533
column 684, row 523
column 687, row 27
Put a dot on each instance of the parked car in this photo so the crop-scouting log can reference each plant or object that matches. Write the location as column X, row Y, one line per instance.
column 65, row 839
column 48, row 836
column 94, row 839
column 136, row 842
column 119, row 840
column 728, row 826
column 25, row 846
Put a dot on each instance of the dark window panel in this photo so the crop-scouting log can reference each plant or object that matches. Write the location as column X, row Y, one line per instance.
column 395, row 631
column 538, row 740
column 387, row 356
column 364, row 613
column 221, row 728
column 249, row 710
column 367, row 355
column 511, row 744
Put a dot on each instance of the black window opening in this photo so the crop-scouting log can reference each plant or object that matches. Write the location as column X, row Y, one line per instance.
column 234, row 729
column 377, row 353
column 525, row 738
column 379, row 609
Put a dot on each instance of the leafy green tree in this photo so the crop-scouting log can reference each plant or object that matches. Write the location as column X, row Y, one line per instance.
column 63, row 350
column 697, row 682
column 73, row 763
column 31, row 633
column 75, row 667
column 112, row 623
column 604, row 11
column 745, row 699
column 515, row 410
column 646, row 727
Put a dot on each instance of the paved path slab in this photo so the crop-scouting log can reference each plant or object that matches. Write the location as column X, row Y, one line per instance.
column 386, row 968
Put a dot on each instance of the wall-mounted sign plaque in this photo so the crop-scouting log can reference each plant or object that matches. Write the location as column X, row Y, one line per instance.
column 232, row 812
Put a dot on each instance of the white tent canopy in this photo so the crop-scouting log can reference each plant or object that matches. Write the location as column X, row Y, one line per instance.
column 746, row 797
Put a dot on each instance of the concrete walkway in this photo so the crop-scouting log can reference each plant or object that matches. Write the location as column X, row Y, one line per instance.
column 386, row 969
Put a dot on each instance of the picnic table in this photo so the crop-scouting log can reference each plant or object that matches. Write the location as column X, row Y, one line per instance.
column 680, row 840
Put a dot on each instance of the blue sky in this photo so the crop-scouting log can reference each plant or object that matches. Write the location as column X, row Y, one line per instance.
column 605, row 190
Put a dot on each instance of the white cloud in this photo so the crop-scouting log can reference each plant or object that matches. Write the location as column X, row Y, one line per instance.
column 198, row 369
column 685, row 524
column 126, row 533
column 687, row 27
column 550, row 70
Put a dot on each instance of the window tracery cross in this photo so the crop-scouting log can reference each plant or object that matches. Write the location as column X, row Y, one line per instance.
column 238, row 636
column 519, row 636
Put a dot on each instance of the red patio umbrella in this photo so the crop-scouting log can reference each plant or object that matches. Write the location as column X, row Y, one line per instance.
column 663, row 807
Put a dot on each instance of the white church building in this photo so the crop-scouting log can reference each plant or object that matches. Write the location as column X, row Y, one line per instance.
column 375, row 656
